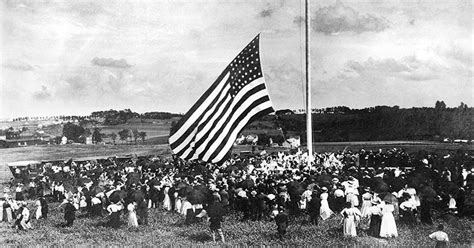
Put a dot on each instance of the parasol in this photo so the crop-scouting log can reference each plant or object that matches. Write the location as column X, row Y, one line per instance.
column 117, row 195
column 247, row 184
column 196, row 197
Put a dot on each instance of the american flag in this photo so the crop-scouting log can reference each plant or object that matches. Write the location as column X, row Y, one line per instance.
column 238, row 96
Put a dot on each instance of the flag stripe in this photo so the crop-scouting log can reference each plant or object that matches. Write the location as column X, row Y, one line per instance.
column 219, row 142
column 266, row 108
column 221, row 120
column 188, row 126
column 226, row 116
column 190, row 134
column 198, row 109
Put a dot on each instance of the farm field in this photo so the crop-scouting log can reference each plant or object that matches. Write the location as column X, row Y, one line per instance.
column 167, row 229
column 153, row 128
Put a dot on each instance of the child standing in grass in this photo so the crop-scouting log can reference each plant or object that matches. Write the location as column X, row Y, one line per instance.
column 282, row 222
column 440, row 236
column 216, row 212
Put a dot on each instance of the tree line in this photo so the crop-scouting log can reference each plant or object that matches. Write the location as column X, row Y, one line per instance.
column 384, row 123
column 78, row 134
column 116, row 117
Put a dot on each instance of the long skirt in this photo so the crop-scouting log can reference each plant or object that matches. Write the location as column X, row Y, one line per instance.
column 349, row 227
column 7, row 214
column 374, row 228
column 132, row 219
column 114, row 220
column 177, row 205
column 325, row 211
column 388, row 227
column 407, row 217
column 167, row 203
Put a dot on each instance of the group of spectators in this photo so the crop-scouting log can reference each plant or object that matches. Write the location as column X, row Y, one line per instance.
column 373, row 190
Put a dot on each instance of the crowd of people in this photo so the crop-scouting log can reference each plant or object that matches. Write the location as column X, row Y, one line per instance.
column 372, row 191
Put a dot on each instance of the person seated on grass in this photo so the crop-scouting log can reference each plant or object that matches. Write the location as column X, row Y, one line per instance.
column 440, row 236
column 282, row 222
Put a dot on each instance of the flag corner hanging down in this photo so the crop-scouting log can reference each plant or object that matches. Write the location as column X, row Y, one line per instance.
column 238, row 96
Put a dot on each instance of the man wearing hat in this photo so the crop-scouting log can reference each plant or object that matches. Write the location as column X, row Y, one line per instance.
column 314, row 207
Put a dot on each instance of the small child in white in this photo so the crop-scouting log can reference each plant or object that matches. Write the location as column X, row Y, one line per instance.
column 440, row 237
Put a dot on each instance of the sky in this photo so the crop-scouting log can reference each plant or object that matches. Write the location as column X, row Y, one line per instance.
column 76, row 57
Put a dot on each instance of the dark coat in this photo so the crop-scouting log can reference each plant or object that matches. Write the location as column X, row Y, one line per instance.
column 69, row 212
column 282, row 221
column 314, row 206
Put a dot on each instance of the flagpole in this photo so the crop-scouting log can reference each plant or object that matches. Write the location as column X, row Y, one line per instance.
column 309, row 129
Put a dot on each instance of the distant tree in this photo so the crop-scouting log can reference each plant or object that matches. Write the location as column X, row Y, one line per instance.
column 440, row 105
column 113, row 136
column 73, row 132
column 87, row 132
column 462, row 106
column 142, row 136
column 124, row 134
column 58, row 139
column 96, row 136
column 135, row 134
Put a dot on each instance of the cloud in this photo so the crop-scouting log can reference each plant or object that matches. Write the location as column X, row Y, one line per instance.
column 42, row 94
column 266, row 12
column 17, row 65
column 409, row 68
column 108, row 62
column 341, row 18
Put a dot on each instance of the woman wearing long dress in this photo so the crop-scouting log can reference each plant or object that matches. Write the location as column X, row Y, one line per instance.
column 38, row 209
column 177, row 202
column 375, row 213
column 7, row 211
column 167, row 200
column 114, row 211
column 388, row 227
column 366, row 202
column 325, row 211
column 132, row 215
column 407, row 208
column 351, row 215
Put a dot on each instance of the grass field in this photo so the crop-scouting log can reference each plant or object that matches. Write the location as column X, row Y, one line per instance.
column 167, row 229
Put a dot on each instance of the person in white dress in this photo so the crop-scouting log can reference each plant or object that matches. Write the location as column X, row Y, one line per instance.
column 325, row 211
column 388, row 227
column 38, row 210
column 177, row 202
column 132, row 215
column 167, row 200
column 366, row 202
column 351, row 216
